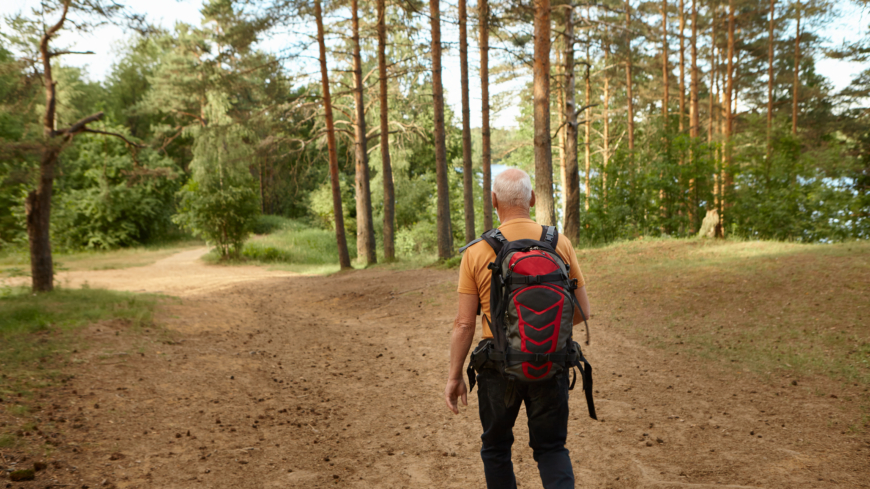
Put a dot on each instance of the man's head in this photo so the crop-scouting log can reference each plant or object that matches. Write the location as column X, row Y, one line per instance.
column 512, row 194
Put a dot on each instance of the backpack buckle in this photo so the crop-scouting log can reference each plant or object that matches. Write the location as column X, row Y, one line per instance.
column 541, row 357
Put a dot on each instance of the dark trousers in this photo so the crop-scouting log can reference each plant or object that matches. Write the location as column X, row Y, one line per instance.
column 547, row 408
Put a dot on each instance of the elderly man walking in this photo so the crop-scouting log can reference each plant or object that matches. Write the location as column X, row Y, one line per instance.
column 499, row 396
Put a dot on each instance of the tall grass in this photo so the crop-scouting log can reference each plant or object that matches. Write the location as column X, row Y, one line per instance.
column 293, row 242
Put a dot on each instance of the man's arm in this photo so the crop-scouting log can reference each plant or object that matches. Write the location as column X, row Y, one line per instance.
column 460, row 342
column 580, row 294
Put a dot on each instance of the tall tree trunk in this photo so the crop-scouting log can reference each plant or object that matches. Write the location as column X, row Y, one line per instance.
column 797, row 64
column 587, row 142
column 628, row 79
column 728, row 171
column 560, row 98
column 445, row 238
column 546, row 210
column 770, row 80
column 682, row 66
column 571, row 227
column 605, row 114
column 694, row 120
column 386, row 164
column 665, row 86
column 714, row 69
column 486, row 155
column 37, row 204
column 343, row 256
column 467, row 170
column 365, row 234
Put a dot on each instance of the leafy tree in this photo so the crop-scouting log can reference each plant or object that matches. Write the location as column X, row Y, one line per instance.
column 219, row 203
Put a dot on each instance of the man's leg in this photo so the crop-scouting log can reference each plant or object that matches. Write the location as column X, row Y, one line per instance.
column 498, row 422
column 547, row 407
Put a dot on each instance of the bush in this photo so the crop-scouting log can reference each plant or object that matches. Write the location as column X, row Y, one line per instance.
column 108, row 198
column 295, row 243
column 269, row 224
column 220, row 203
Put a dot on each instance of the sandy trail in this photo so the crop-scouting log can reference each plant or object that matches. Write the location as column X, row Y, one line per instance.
column 182, row 274
column 309, row 382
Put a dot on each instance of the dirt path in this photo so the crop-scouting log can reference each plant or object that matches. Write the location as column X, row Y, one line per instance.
column 337, row 381
column 182, row 274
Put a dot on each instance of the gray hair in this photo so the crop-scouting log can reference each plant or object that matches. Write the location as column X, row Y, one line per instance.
column 513, row 188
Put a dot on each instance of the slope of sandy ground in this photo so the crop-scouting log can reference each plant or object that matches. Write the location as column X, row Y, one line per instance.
column 310, row 382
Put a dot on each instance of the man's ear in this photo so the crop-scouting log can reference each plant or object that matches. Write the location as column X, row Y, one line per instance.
column 532, row 202
column 494, row 201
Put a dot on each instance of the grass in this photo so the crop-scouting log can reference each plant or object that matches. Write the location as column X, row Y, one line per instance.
column 16, row 263
column 293, row 246
column 767, row 307
column 37, row 330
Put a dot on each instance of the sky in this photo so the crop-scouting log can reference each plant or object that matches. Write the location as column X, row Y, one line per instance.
column 104, row 42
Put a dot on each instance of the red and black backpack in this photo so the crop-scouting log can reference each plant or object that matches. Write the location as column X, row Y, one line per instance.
column 532, row 305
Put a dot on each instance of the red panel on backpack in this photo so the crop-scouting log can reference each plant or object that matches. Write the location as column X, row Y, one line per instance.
column 533, row 262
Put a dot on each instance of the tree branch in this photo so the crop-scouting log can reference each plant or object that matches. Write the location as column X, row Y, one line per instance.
column 107, row 133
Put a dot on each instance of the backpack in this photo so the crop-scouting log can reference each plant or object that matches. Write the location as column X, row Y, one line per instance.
column 532, row 306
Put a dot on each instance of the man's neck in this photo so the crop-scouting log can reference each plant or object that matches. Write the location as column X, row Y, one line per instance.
column 511, row 214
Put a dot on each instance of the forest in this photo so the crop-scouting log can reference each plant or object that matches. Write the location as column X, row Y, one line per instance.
column 635, row 118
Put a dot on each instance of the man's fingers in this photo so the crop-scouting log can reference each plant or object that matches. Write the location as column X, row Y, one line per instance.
column 465, row 398
column 451, row 404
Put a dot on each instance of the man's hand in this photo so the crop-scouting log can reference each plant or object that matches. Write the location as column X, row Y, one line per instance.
column 455, row 390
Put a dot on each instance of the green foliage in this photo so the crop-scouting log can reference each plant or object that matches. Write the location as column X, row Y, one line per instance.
column 109, row 197
column 220, row 204
column 295, row 243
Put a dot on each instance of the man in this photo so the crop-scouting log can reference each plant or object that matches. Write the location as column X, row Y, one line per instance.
column 546, row 402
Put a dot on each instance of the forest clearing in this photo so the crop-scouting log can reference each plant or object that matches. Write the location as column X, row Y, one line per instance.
column 755, row 379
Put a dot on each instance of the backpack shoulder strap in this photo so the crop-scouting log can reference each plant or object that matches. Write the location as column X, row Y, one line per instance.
column 494, row 239
column 550, row 235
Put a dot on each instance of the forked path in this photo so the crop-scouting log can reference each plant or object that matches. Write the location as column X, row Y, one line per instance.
column 337, row 381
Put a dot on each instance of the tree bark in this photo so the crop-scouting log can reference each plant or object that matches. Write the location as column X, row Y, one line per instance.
column 694, row 120
column 343, row 256
column 486, row 151
column 797, row 63
column 605, row 114
column 729, row 113
column 546, row 210
column 682, row 66
column 37, row 204
column 560, row 98
column 588, row 117
column 714, row 68
column 665, row 87
column 467, row 170
column 386, row 163
column 571, row 179
column 628, row 80
column 365, row 232
column 445, row 238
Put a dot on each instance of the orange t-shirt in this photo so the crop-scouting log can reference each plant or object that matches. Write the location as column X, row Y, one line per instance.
column 474, row 276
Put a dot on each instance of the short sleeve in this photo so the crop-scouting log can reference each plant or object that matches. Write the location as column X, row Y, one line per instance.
column 467, row 283
column 566, row 250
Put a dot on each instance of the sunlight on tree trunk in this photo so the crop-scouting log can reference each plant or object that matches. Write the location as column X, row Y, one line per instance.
column 571, row 181
column 365, row 232
column 343, row 256
column 545, row 209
